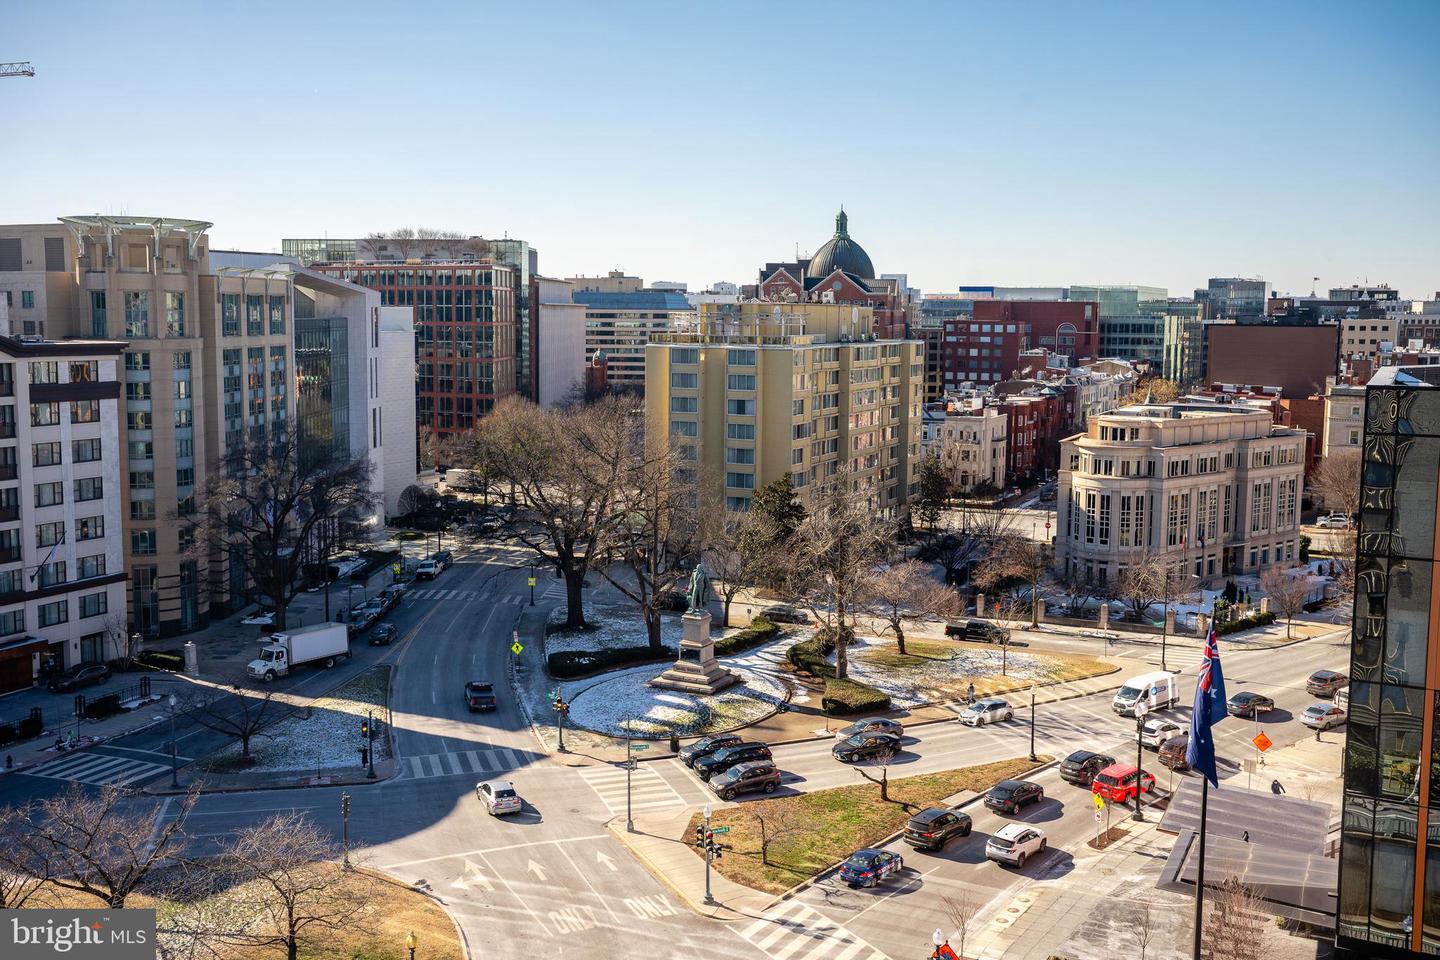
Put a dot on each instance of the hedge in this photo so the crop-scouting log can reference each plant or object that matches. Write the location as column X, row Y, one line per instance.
column 160, row 660
column 568, row 664
column 24, row 729
column 809, row 655
column 1245, row 623
column 844, row 697
column 105, row 706
column 759, row 631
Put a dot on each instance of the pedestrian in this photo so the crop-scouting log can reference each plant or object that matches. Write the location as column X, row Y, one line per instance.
column 1276, row 787
column 1245, row 835
column 970, row 693
column 1317, row 734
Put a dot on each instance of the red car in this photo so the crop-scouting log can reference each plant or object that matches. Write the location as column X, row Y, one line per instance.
column 1116, row 783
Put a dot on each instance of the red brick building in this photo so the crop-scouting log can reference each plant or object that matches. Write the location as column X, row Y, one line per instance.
column 1037, row 424
column 985, row 349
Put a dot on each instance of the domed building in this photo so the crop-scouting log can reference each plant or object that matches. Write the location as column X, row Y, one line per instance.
column 841, row 253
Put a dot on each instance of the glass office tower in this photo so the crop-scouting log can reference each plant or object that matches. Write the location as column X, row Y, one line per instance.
column 1389, row 896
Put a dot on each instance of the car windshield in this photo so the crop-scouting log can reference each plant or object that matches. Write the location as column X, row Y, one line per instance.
column 1004, row 843
column 1316, row 710
column 1242, row 698
column 1128, row 693
column 855, row 741
column 723, row 753
column 1107, row 779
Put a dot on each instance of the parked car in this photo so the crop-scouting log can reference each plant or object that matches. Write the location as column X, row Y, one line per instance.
column 1008, row 796
column 708, row 745
column 1247, row 704
column 1155, row 732
column 1015, row 842
column 1116, row 783
column 427, row 570
column 1326, row 683
column 391, row 595
column 499, row 797
column 866, row 746
column 1081, row 766
column 480, row 695
column 383, row 635
column 1172, row 752
column 981, row 712
column 364, row 614
column 979, row 631
column 83, row 675
column 1335, row 521
column 784, row 613
column 1342, row 699
column 727, row 757
column 872, row 725
column 262, row 618
column 865, row 868
column 443, row 559
column 933, row 827
column 746, row 778
column 1322, row 716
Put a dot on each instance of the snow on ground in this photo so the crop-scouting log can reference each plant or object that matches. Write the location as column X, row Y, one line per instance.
column 619, row 626
column 328, row 738
column 934, row 680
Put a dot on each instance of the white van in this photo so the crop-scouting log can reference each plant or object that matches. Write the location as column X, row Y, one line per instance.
column 1156, row 689
column 1342, row 699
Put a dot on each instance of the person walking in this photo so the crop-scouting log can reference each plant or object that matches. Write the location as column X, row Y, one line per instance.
column 1276, row 787
column 970, row 693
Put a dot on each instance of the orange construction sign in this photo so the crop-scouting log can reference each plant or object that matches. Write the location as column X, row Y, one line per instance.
column 1262, row 742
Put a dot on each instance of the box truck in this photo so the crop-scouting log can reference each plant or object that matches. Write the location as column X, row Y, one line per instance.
column 323, row 643
column 1156, row 689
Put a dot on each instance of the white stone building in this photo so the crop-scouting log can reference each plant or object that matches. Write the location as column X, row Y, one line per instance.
column 969, row 437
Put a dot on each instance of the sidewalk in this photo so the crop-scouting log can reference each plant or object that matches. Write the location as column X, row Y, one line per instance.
column 660, row 842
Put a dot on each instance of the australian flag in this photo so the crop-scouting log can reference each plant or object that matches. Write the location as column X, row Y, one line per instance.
column 1209, row 710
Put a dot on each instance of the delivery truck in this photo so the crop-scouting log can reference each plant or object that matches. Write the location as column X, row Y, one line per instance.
column 1156, row 689
column 322, row 643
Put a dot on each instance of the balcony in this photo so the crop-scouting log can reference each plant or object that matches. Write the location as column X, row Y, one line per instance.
column 8, row 471
column 7, row 429
column 7, row 388
column 8, row 514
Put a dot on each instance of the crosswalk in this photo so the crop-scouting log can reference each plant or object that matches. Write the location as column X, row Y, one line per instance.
column 791, row 930
column 102, row 769
column 648, row 790
column 461, row 762
column 436, row 593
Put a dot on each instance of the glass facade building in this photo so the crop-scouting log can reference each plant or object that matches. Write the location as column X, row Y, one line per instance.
column 309, row 251
column 1389, row 890
column 322, row 384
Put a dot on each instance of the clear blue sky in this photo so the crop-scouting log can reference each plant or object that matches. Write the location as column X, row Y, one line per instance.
column 1018, row 143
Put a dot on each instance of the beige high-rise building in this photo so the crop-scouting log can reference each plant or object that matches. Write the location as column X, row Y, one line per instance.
column 759, row 389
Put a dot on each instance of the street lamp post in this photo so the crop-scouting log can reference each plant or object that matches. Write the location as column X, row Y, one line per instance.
column 629, row 766
column 370, row 743
column 1032, row 723
column 561, row 708
column 174, row 757
column 345, row 829
column 709, row 898
column 1141, row 708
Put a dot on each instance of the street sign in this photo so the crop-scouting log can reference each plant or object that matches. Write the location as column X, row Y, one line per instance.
column 719, row 829
column 554, row 695
column 637, row 747
column 1097, row 816
column 532, row 581
column 1099, row 802
column 515, row 648
column 395, row 569
column 1262, row 742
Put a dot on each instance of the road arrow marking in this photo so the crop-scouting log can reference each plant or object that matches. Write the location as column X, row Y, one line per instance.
column 472, row 876
column 536, row 869
column 602, row 857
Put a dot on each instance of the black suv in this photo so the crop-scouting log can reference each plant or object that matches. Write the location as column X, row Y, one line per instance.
column 708, row 745
column 746, row 778
column 722, row 760
column 443, row 559
column 383, row 635
column 933, row 827
column 1081, row 766
column 1008, row 796
column 480, row 695
column 976, row 630
column 81, row 676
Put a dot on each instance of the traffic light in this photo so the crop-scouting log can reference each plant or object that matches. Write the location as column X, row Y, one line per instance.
column 365, row 728
column 345, row 804
column 700, row 836
column 715, row 849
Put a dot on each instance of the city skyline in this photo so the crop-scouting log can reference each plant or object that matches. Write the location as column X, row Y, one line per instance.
column 966, row 145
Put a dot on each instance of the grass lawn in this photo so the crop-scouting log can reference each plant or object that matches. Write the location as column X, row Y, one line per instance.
column 950, row 666
column 832, row 824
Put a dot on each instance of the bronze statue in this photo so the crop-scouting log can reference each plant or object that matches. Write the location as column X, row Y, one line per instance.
column 699, row 589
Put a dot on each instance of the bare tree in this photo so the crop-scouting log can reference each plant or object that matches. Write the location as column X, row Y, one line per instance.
column 286, row 867
column 402, row 241
column 1079, row 591
column 964, row 538
column 903, row 591
column 1147, row 925
column 961, row 909
column 777, row 821
column 1342, row 571
column 24, row 875
column 242, row 713
column 1011, row 612
column 268, row 504
column 565, row 467
column 835, row 549
column 727, row 564
column 103, row 843
column 1235, row 921
column 1288, row 589
column 1014, row 561
column 1153, row 577
column 1336, row 481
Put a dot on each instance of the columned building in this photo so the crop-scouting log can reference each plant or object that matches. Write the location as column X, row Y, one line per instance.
column 1216, row 486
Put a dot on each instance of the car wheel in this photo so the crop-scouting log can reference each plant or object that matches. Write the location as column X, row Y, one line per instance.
column 269, row 675
column 329, row 662
column 1020, row 860
column 965, row 832
column 770, row 787
column 1042, row 845
column 103, row 678
column 728, row 795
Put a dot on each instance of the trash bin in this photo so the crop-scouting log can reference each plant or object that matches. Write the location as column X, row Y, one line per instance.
column 674, row 743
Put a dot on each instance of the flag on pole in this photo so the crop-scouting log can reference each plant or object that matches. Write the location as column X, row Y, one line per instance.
column 1209, row 709
column 53, row 547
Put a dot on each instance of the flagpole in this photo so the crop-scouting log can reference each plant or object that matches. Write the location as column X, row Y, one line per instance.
column 1200, row 867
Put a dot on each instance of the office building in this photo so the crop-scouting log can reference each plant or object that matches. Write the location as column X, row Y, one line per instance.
column 1126, row 330
column 620, row 319
column 1296, row 357
column 1364, row 336
column 560, row 321
column 985, row 347
column 1218, row 486
column 1344, row 416
column 1183, row 340
column 308, row 251
column 968, row 436
column 1234, row 299
column 1389, row 879
column 757, row 390
column 62, row 556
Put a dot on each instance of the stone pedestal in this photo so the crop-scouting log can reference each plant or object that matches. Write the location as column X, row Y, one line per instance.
column 980, row 605
column 1170, row 622
column 1264, row 604
column 1202, row 625
column 1104, row 616
column 697, row 670
column 1040, row 611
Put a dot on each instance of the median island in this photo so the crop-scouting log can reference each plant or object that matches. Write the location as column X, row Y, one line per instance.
column 807, row 833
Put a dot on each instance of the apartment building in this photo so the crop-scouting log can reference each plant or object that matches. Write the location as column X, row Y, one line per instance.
column 1344, row 416
column 760, row 389
column 62, row 572
column 1216, row 485
column 985, row 347
column 1362, row 336
column 619, row 322
column 968, row 435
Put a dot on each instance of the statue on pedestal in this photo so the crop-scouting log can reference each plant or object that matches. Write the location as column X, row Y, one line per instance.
column 699, row 589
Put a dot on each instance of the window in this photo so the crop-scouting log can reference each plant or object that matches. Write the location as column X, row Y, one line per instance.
column 186, row 418
column 685, row 381
column 277, row 314
column 97, row 314
column 142, row 543
column 84, row 371
column 53, row 613
column 84, row 411
column 740, row 431
column 138, row 390
column 741, row 481
column 797, row 407
column 89, row 488
column 12, row 622
column 86, row 451
column 740, row 408
column 740, row 381
column 182, row 359
column 1089, row 516
column 230, row 314
column 174, row 314
column 46, row 454
column 49, row 534
column 740, row 358
column 142, row 480
column 142, row 509
column 185, row 477
column 141, row 450
column 44, row 414
column 731, row 503
column 254, row 315
column 184, row 447
column 45, row 372
column 684, row 404
column 137, row 313
column 685, row 428
column 49, row 574
column 27, row 299
column 92, row 605
column 685, row 355
column 744, row 455
column 137, row 360
column 49, row 494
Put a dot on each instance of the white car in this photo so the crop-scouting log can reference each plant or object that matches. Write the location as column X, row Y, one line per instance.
column 1335, row 521
column 981, row 712
column 1014, row 843
column 427, row 570
column 1322, row 716
column 1157, row 731
column 499, row 797
column 259, row 620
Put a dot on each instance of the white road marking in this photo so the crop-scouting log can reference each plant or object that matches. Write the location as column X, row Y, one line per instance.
column 481, row 853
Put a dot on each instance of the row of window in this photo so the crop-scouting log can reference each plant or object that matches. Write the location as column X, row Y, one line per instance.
column 48, row 371
column 49, row 454
column 255, row 314
column 48, row 414
column 51, row 614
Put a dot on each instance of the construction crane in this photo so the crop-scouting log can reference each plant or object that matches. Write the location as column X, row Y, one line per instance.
column 21, row 69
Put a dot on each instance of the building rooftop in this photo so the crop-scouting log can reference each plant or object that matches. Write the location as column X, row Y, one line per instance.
column 639, row 300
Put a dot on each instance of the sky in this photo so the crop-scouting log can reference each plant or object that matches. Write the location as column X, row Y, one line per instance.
column 1028, row 143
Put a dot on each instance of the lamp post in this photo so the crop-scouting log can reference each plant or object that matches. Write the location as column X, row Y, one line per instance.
column 410, row 943
column 532, row 584
column 629, row 766
column 1141, row 708
column 370, row 744
column 709, row 898
column 174, row 759
column 1032, row 723
column 561, row 708
column 345, row 829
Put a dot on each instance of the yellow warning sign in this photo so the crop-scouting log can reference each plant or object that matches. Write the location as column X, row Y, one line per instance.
column 515, row 648
column 1262, row 742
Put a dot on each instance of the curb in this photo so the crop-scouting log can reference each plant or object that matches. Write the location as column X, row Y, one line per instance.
column 444, row 907
column 363, row 781
column 696, row 908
